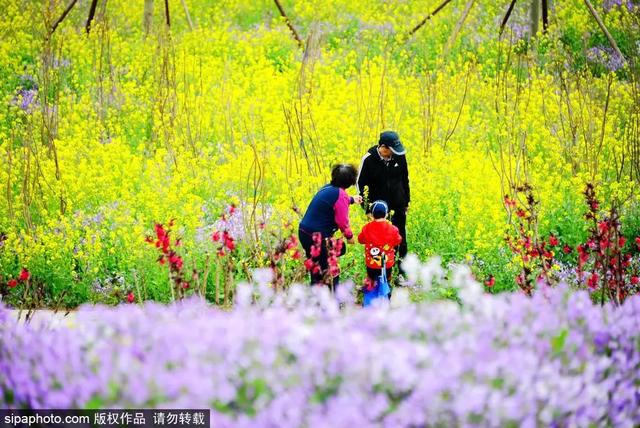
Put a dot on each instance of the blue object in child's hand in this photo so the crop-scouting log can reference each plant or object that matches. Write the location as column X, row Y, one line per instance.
column 381, row 288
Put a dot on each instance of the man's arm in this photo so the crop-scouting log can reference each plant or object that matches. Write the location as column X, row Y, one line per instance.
column 405, row 181
column 363, row 178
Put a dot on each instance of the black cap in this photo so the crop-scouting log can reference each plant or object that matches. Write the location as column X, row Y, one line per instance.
column 392, row 140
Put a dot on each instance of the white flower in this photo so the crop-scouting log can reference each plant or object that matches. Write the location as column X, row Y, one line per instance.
column 411, row 266
column 431, row 271
column 262, row 276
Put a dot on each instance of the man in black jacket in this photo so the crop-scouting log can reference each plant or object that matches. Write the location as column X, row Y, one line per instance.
column 384, row 175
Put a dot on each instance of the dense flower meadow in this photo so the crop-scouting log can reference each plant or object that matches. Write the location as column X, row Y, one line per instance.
column 110, row 128
column 307, row 358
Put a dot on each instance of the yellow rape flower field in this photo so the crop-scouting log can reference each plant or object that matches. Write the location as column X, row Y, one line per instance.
column 142, row 159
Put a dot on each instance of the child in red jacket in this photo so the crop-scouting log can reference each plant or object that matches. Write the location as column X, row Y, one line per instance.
column 380, row 238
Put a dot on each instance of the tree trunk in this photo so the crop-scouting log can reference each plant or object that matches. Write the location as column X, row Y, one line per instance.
column 92, row 13
column 535, row 17
column 166, row 12
column 186, row 12
column 148, row 16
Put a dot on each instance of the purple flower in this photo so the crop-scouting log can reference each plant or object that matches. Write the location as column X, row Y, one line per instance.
column 306, row 359
column 606, row 57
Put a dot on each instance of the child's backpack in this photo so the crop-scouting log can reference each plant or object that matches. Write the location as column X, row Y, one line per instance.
column 381, row 290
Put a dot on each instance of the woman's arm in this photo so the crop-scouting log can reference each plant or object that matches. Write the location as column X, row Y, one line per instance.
column 341, row 214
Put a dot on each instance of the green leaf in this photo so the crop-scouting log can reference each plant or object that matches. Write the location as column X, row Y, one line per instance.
column 557, row 342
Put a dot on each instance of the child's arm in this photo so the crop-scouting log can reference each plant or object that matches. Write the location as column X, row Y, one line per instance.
column 362, row 236
column 397, row 238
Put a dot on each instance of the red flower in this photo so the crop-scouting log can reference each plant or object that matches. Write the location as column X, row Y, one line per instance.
column 603, row 226
column 229, row 243
column 12, row 283
column 160, row 232
column 185, row 285
column 595, row 206
column 593, row 281
column 176, row 261
column 130, row 297
column 220, row 252
column 582, row 258
column 553, row 241
column 216, row 236
column 635, row 280
column 510, row 203
column 520, row 212
column 490, row 282
column 567, row 249
column 24, row 275
column 638, row 242
column 621, row 241
column 309, row 264
column 232, row 209
column 292, row 243
column 296, row 255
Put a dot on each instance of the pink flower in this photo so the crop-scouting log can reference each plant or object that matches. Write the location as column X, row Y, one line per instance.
column 334, row 270
column 315, row 251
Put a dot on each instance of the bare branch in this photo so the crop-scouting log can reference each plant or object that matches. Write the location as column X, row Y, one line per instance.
column 186, row 12
column 612, row 42
column 92, row 13
column 63, row 16
column 148, row 16
column 459, row 24
column 289, row 24
column 428, row 17
column 166, row 13
column 506, row 17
